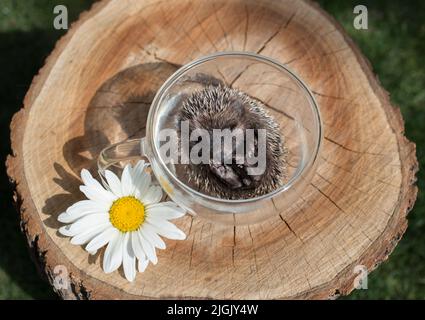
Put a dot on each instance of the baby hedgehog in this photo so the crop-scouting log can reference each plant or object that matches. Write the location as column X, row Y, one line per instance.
column 218, row 106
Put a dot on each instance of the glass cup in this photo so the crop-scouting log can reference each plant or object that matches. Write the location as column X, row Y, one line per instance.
column 285, row 97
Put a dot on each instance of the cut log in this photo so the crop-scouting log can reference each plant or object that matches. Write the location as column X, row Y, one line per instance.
column 96, row 88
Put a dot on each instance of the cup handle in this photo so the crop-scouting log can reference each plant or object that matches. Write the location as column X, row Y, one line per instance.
column 122, row 151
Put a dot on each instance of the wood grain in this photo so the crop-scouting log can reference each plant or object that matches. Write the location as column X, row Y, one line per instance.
column 95, row 89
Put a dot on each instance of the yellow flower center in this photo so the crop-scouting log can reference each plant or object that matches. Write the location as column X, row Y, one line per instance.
column 127, row 214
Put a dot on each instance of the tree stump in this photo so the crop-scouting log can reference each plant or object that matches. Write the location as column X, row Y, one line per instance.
column 96, row 88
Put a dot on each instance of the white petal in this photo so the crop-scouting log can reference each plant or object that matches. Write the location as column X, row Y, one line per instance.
column 129, row 260
column 127, row 186
column 166, row 229
column 150, row 235
column 113, row 254
column 81, row 209
column 141, row 180
column 148, row 248
column 65, row 231
column 88, row 180
column 139, row 167
column 143, row 263
column 138, row 170
column 137, row 246
column 89, row 234
column 153, row 195
column 165, row 210
column 102, row 239
column 66, row 218
column 114, row 182
column 101, row 196
column 93, row 189
column 85, row 224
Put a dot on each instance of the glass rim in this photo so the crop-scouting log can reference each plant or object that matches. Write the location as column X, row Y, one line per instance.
column 263, row 59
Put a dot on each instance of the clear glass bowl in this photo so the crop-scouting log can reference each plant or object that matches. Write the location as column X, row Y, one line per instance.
column 285, row 97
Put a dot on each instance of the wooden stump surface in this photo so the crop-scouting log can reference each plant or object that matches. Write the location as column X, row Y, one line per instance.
column 96, row 88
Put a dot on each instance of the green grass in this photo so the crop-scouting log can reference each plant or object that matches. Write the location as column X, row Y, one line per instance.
column 26, row 38
column 394, row 43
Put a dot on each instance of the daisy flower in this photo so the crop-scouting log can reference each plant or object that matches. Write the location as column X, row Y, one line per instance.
column 126, row 215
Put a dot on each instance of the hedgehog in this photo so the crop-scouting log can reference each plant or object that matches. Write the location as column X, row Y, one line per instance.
column 217, row 106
